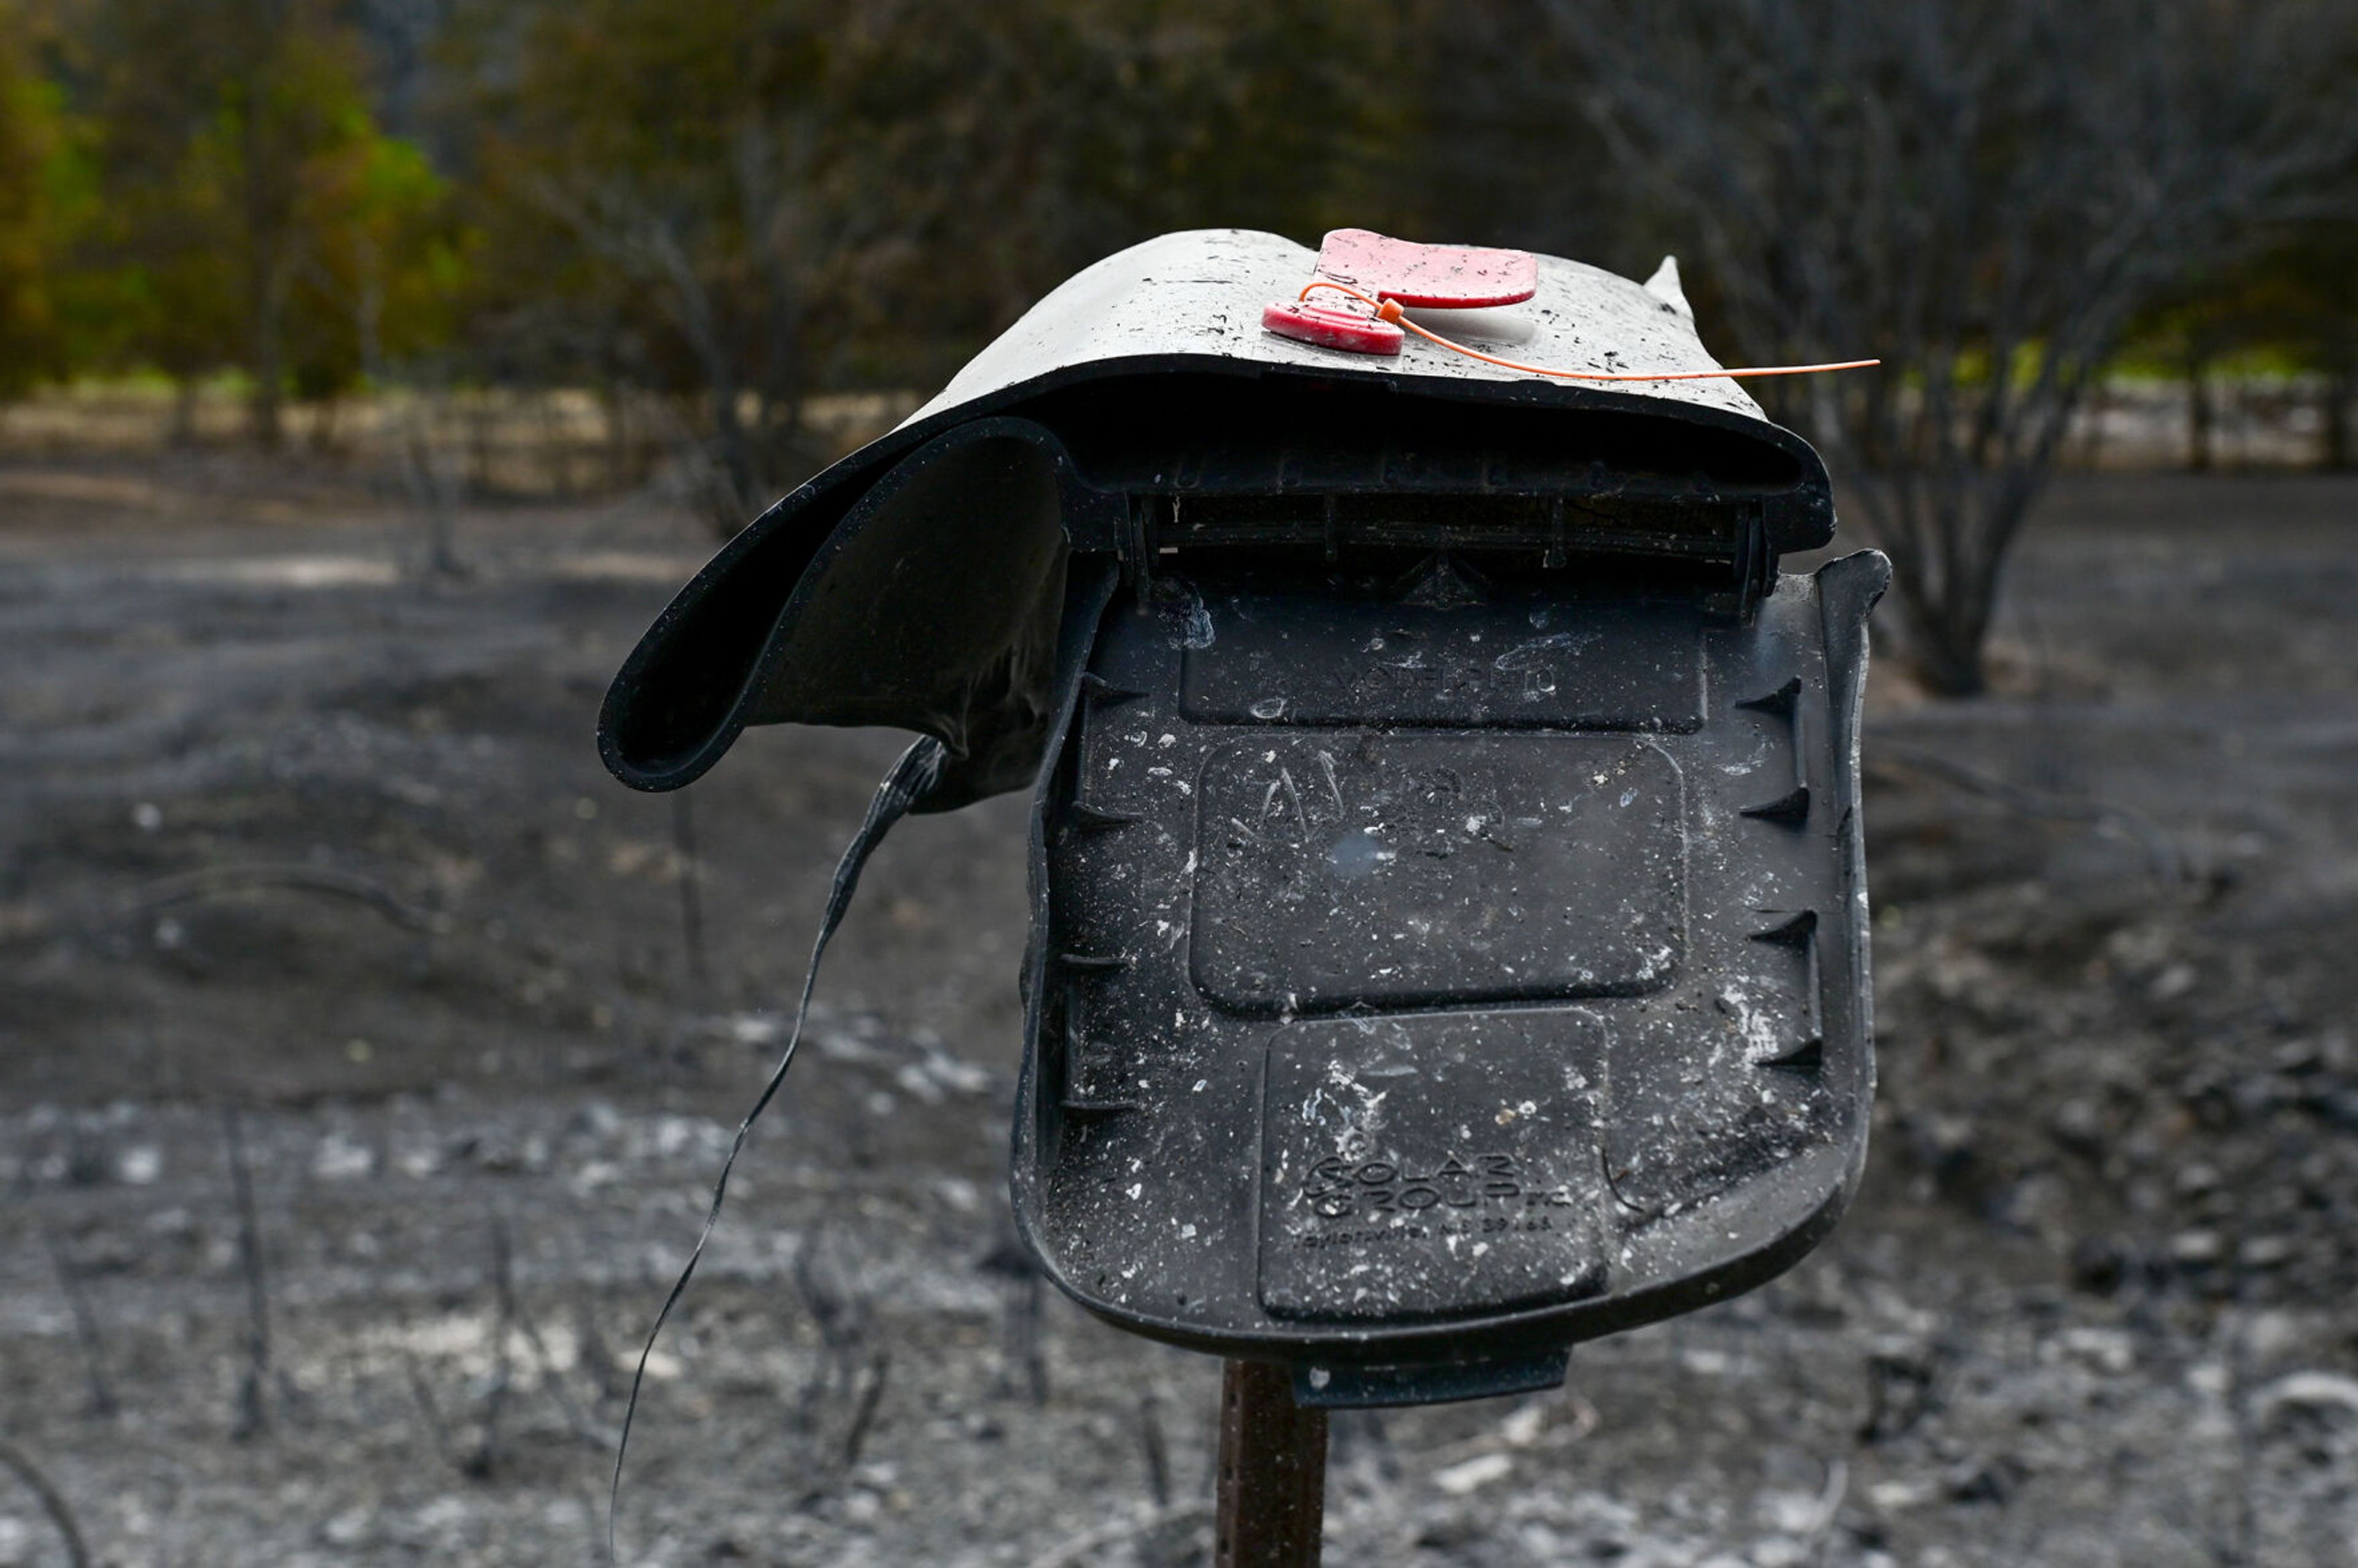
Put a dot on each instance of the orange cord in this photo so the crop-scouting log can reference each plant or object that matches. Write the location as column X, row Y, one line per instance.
column 1390, row 310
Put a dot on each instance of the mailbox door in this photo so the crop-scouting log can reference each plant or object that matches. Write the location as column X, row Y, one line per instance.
column 1435, row 980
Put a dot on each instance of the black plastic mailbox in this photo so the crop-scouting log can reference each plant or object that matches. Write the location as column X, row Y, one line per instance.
column 1449, row 920
column 1437, row 976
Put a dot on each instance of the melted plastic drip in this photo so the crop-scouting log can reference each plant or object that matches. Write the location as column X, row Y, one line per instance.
column 917, row 771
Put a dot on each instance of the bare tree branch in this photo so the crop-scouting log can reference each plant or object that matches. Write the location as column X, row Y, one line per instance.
column 18, row 1463
column 1983, row 194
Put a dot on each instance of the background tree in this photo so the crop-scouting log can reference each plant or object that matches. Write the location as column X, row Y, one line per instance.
column 720, row 208
column 1063, row 130
column 2304, row 300
column 381, row 272
column 241, row 165
column 740, row 202
column 1985, row 194
column 2201, row 320
column 41, row 197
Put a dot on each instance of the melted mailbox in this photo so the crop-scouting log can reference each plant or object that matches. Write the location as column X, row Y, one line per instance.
column 1442, row 971
column 1449, row 926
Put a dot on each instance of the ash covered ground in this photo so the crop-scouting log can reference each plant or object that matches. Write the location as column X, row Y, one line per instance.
column 363, row 1074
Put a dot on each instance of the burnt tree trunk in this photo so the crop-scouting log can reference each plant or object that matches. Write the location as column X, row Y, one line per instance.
column 2201, row 411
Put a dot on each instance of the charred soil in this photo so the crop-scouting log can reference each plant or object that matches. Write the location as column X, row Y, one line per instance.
column 366, row 1056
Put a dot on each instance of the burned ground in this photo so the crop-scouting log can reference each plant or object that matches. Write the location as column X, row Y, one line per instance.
column 307, row 869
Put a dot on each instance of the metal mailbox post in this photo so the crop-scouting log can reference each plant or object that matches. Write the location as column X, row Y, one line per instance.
column 1449, row 936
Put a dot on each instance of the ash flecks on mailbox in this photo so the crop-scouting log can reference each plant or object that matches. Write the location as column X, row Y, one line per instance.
column 1487, row 974
column 1415, row 1164
column 1449, row 923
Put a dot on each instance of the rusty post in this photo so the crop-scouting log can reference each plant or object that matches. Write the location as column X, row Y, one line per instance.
column 1272, row 1494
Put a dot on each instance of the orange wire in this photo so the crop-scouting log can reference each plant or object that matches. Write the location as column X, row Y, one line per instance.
column 1390, row 310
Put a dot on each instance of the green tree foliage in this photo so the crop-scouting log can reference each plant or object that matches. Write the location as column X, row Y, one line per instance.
column 384, row 269
column 256, row 216
column 42, row 197
column 732, row 204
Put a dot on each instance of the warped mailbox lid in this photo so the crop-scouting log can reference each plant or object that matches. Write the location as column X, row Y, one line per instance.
column 1110, row 390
